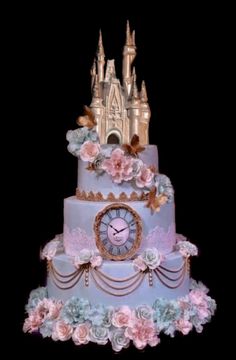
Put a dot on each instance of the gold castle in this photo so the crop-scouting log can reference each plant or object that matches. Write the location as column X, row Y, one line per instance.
column 120, row 111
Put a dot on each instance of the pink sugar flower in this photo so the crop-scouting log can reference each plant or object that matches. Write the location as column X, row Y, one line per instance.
column 50, row 249
column 33, row 322
column 142, row 332
column 184, row 326
column 119, row 166
column 89, row 151
column 62, row 331
column 203, row 311
column 197, row 296
column 54, row 308
column 139, row 263
column 96, row 261
column 81, row 334
column 144, row 177
column 122, row 317
column 48, row 309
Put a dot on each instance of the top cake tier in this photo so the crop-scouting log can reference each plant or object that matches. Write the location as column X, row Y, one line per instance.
column 90, row 183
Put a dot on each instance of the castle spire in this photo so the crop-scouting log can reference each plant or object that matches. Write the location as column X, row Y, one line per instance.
column 134, row 90
column 93, row 73
column 128, row 35
column 129, row 54
column 100, row 58
column 96, row 92
column 143, row 93
column 100, row 49
column 133, row 38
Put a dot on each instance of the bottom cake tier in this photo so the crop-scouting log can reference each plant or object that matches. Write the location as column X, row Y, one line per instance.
column 118, row 282
column 118, row 302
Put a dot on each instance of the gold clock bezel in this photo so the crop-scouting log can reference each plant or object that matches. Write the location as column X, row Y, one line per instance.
column 137, row 240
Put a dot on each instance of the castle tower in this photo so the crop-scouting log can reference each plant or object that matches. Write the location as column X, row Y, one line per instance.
column 93, row 73
column 97, row 106
column 134, row 110
column 120, row 111
column 100, row 58
column 129, row 54
column 144, row 116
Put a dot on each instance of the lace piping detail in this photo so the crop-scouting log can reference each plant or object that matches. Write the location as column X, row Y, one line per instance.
column 77, row 239
column 161, row 239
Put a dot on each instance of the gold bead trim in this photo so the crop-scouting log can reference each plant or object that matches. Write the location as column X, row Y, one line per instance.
column 188, row 265
column 123, row 197
column 118, row 286
column 150, row 278
column 162, row 277
column 132, row 288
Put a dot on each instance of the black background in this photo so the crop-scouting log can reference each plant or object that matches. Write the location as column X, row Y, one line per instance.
column 50, row 55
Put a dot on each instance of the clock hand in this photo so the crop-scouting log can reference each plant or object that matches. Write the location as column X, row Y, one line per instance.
column 113, row 228
column 121, row 230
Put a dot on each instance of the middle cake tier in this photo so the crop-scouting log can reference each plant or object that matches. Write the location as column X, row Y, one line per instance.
column 117, row 230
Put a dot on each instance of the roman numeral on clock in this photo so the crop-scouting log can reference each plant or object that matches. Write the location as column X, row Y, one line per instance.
column 132, row 223
column 126, row 248
column 110, row 249
column 132, row 231
column 109, row 215
column 117, row 212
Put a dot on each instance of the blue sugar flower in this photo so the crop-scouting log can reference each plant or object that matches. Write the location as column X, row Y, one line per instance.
column 92, row 135
column 164, row 186
column 165, row 315
column 95, row 314
column 78, row 136
column 99, row 335
column 198, row 285
column 34, row 298
column 108, row 316
column 211, row 304
column 46, row 329
column 74, row 310
column 118, row 339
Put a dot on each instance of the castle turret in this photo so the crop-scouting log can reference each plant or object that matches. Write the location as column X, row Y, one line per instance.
column 97, row 106
column 100, row 58
column 143, row 93
column 145, row 115
column 129, row 54
column 134, row 111
column 93, row 73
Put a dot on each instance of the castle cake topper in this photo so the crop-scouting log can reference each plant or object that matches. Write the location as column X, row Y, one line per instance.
column 120, row 110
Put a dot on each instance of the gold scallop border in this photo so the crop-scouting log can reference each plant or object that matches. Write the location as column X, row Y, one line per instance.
column 138, row 238
column 91, row 196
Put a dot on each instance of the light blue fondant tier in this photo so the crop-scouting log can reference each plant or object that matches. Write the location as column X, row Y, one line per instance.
column 158, row 228
column 143, row 294
column 90, row 181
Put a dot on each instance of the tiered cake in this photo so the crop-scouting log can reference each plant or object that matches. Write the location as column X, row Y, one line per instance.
column 119, row 272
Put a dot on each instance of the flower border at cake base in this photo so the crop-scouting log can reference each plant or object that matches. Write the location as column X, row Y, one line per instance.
column 83, row 322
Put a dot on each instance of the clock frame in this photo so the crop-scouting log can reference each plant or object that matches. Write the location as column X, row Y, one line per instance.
column 97, row 229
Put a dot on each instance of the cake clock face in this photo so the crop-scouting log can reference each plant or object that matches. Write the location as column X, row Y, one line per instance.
column 118, row 230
